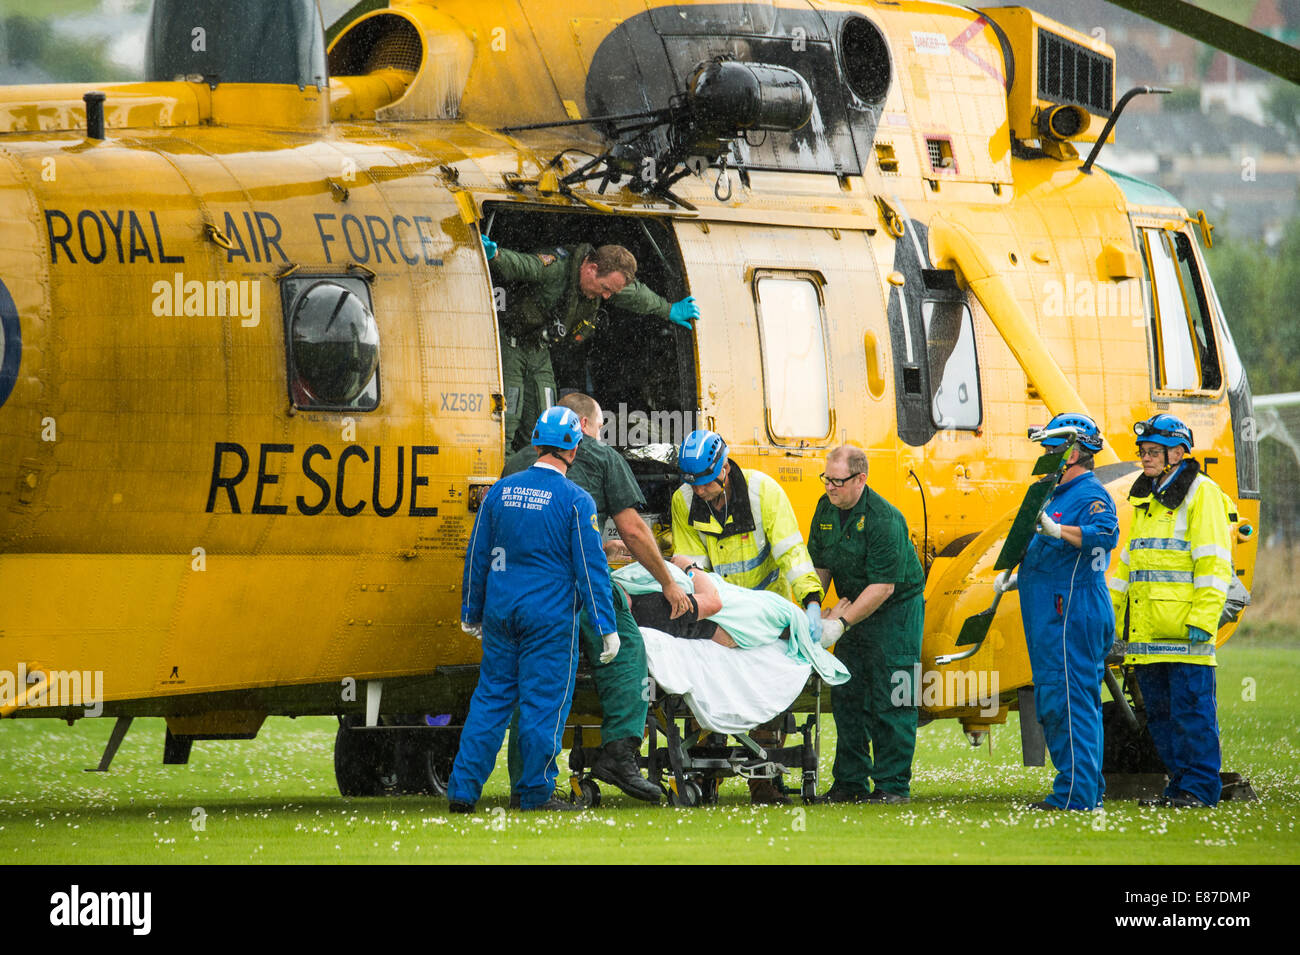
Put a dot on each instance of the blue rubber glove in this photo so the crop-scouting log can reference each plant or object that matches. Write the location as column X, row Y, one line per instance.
column 1197, row 635
column 489, row 247
column 814, row 612
column 683, row 312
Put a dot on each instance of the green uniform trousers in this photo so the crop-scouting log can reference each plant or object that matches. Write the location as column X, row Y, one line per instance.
column 621, row 683
column 866, row 717
column 529, row 381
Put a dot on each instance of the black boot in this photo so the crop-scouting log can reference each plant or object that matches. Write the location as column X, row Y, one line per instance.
column 616, row 765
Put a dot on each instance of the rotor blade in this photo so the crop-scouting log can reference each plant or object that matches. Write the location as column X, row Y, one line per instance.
column 1249, row 46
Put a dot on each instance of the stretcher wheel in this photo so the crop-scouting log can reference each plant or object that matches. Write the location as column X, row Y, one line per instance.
column 686, row 796
column 709, row 791
column 590, row 798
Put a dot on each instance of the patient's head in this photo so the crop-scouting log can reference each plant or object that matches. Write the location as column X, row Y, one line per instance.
column 616, row 552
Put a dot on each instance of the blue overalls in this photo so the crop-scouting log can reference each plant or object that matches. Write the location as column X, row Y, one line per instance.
column 1069, row 626
column 534, row 559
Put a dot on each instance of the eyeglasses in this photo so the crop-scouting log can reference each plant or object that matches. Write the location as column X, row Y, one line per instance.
column 1153, row 453
column 838, row 482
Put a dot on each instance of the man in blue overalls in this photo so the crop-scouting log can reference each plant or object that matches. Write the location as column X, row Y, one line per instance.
column 1069, row 622
column 534, row 560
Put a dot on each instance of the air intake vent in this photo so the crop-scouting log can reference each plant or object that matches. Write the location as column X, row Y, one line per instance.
column 940, row 151
column 386, row 41
column 1070, row 73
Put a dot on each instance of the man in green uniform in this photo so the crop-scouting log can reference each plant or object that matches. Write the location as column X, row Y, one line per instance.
column 860, row 540
column 558, row 301
column 601, row 471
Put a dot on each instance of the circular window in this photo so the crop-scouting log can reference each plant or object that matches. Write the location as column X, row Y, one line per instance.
column 865, row 58
column 335, row 343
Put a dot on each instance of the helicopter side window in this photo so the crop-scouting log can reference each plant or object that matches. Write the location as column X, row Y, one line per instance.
column 1187, row 354
column 1199, row 311
column 332, row 341
column 791, row 332
column 953, row 365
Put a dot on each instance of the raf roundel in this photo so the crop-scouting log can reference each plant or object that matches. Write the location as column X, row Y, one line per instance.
column 11, row 344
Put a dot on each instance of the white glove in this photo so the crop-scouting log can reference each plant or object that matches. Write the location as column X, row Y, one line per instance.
column 1048, row 526
column 610, row 641
column 1002, row 583
column 473, row 629
column 832, row 630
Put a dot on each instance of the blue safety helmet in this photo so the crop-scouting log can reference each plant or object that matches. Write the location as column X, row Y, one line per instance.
column 701, row 457
column 1165, row 430
column 557, row 428
column 1089, row 435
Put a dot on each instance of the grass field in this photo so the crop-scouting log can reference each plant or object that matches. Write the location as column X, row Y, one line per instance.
column 273, row 800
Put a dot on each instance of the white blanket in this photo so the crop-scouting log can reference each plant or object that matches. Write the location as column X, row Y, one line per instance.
column 729, row 691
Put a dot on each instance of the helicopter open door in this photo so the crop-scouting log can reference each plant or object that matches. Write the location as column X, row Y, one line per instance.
column 639, row 367
column 793, row 348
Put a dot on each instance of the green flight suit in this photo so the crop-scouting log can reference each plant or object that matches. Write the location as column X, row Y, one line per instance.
column 869, row 544
column 547, row 290
column 601, row 471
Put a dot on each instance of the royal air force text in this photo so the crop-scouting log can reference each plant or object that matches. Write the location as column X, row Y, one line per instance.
column 130, row 237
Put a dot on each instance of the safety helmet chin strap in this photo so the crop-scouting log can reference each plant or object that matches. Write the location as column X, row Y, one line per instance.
column 1172, row 466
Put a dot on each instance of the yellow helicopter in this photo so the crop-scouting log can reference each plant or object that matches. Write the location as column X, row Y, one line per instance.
column 250, row 375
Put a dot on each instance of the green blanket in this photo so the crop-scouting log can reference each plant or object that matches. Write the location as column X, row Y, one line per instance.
column 752, row 617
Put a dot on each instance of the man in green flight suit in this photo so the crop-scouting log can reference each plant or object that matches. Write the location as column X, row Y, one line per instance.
column 560, row 302
column 860, row 540
column 601, row 471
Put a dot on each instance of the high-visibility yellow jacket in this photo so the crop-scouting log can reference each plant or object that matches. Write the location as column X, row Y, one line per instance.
column 1175, row 570
column 767, row 553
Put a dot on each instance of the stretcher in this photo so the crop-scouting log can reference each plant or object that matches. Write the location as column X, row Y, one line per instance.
column 692, row 760
column 705, row 694
column 692, row 750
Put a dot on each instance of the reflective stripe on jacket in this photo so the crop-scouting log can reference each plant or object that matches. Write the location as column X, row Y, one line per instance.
column 767, row 553
column 1173, row 574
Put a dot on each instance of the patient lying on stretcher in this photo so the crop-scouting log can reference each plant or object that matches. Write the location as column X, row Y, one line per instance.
column 731, row 616
column 653, row 610
column 695, row 655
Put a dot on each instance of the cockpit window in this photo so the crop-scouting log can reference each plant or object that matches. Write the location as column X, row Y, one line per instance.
column 953, row 365
column 333, row 343
column 1187, row 352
